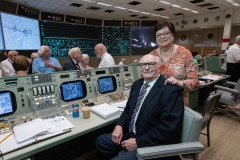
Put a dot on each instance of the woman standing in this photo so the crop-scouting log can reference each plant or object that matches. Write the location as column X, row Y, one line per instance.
column 176, row 62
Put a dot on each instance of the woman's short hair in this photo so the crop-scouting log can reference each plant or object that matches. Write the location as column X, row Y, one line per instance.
column 20, row 63
column 160, row 25
column 85, row 56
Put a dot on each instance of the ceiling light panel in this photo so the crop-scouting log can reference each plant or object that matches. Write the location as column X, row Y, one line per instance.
column 165, row 2
column 104, row 4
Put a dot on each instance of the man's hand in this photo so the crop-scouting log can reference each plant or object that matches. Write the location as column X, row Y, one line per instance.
column 129, row 144
column 117, row 134
column 48, row 64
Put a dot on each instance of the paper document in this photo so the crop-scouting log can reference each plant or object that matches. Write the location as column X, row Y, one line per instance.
column 57, row 124
column 211, row 77
column 121, row 105
column 10, row 144
column 34, row 131
column 105, row 110
column 41, row 127
column 30, row 130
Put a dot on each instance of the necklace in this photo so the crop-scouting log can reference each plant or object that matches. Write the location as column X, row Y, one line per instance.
column 166, row 63
column 170, row 55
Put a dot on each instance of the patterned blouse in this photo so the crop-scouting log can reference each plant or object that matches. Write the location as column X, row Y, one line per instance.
column 180, row 66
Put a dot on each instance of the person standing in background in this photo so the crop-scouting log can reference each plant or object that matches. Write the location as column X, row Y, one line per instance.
column 84, row 64
column 44, row 63
column 233, row 60
column 106, row 59
column 75, row 56
column 6, row 65
column 176, row 62
column 121, row 63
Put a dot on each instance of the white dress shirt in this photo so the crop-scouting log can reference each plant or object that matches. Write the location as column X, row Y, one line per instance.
column 106, row 61
column 233, row 53
column 148, row 90
column 7, row 68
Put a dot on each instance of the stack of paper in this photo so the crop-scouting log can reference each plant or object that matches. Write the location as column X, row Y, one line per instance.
column 39, row 127
column 105, row 110
column 121, row 105
column 33, row 131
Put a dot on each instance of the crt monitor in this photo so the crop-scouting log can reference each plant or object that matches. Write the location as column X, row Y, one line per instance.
column 8, row 103
column 106, row 84
column 73, row 90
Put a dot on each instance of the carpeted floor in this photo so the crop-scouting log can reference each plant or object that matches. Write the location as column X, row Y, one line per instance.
column 225, row 138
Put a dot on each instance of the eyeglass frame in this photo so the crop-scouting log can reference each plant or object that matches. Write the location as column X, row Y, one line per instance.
column 165, row 34
column 149, row 64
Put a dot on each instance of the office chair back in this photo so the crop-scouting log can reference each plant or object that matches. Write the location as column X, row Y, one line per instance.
column 189, row 145
column 210, row 106
column 192, row 123
column 237, row 86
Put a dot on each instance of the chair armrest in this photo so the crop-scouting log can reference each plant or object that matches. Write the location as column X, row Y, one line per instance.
column 169, row 150
column 227, row 89
column 231, row 83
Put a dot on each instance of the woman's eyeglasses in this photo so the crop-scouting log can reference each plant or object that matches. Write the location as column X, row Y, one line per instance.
column 164, row 34
column 149, row 64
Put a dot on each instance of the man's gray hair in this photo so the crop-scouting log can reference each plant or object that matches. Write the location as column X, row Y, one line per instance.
column 42, row 50
column 73, row 50
column 12, row 51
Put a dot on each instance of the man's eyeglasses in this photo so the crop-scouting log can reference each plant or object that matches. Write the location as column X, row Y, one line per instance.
column 149, row 64
column 164, row 34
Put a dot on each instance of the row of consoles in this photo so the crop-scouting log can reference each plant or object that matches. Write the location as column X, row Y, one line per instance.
column 25, row 98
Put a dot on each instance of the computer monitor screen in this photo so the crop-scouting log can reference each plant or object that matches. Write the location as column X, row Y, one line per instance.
column 143, row 40
column 106, row 84
column 20, row 33
column 1, row 38
column 73, row 90
column 7, row 103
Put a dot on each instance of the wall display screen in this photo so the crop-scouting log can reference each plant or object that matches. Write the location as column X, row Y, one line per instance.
column 106, row 84
column 73, row 90
column 1, row 38
column 143, row 40
column 7, row 103
column 60, row 37
column 20, row 33
column 117, row 40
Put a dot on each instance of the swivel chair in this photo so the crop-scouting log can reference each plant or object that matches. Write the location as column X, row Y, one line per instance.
column 189, row 145
column 210, row 106
column 230, row 97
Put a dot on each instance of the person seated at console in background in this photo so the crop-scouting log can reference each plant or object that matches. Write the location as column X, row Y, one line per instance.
column 44, row 63
column 153, row 115
column 21, row 65
column 6, row 65
column 84, row 64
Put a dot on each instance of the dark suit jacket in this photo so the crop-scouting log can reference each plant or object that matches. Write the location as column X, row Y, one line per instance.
column 69, row 65
column 160, row 118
